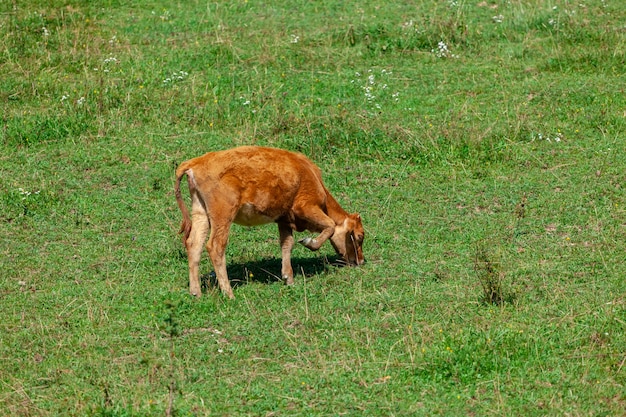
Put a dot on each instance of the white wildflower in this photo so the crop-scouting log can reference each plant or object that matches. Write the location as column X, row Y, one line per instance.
column 373, row 89
column 407, row 25
column 177, row 76
column 25, row 194
column 442, row 51
column 541, row 137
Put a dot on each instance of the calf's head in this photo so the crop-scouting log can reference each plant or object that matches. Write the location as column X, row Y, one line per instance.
column 348, row 240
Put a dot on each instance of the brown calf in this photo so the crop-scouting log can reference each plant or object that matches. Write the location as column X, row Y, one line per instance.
column 252, row 186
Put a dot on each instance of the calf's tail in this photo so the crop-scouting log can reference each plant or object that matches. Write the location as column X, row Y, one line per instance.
column 185, row 227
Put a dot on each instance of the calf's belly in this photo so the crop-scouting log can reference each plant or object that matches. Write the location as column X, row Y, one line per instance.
column 249, row 216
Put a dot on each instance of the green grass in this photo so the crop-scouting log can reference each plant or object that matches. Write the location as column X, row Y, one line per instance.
column 469, row 304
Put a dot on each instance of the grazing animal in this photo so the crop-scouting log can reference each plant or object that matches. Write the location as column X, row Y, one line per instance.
column 251, row 186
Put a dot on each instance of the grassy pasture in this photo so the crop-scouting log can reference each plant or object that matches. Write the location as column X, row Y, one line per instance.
column 482, row 142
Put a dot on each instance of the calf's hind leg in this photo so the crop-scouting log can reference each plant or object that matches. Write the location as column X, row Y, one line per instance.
column 216, row 246
column 195, row 242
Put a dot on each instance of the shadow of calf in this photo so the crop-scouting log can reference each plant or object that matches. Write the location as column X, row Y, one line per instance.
column 267, row 271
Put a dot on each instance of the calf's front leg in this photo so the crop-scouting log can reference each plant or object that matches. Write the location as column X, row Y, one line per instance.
column 286, row 244
column 319, row 221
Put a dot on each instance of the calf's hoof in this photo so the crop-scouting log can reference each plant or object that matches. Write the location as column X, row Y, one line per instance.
column 308, row 242
column 288, row 280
